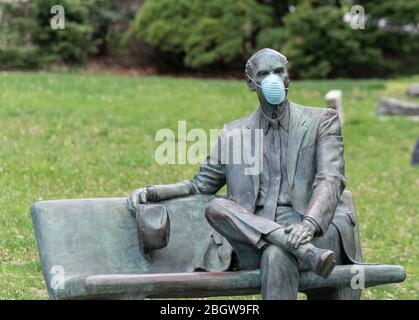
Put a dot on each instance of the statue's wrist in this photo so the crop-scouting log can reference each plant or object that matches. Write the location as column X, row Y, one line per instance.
column 151, row 193
column 311, row 225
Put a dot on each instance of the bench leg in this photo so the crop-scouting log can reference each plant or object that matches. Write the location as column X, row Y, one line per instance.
column 340, row 293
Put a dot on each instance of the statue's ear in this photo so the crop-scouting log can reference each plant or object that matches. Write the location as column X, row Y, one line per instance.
column 250, row 83
column 287, row 83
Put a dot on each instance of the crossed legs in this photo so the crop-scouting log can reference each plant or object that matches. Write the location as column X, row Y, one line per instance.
column 246, row 234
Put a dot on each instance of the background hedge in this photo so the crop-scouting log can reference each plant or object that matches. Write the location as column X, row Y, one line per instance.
column 217, row 34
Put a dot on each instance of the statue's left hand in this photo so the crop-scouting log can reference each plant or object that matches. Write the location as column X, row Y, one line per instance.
column 299, row 233
column 137, row 197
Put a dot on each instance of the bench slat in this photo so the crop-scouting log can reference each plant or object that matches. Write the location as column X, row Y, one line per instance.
column 207, row 284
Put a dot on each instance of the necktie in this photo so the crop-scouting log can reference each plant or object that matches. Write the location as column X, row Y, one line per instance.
column 273, row 149
column 274, row 123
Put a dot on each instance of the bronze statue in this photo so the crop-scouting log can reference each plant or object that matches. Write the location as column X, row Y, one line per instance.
column 288, row 217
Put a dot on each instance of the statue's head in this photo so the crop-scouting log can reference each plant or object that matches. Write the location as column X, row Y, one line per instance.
column 267, row 74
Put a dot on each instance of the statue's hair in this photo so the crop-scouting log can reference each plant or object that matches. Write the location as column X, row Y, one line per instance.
column 251, row 62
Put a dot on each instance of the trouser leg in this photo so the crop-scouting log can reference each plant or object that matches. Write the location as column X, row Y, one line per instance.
column 244, row 240
column 244, row 232
column 232, row 216
column 279, row 274
column 278, row 269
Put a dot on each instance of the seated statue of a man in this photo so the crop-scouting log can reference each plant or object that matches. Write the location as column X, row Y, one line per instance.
column 286, row 217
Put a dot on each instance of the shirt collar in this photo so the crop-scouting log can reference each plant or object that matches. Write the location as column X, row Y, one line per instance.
column 282, row 120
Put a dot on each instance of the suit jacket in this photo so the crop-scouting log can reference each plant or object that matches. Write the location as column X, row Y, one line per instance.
column 315, row 168
column 315, row 164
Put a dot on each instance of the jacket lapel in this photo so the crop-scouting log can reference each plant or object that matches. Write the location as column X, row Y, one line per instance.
column 297, row 130
column 252, row 123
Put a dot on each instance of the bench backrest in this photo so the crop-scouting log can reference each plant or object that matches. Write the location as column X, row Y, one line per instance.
column 99, row 236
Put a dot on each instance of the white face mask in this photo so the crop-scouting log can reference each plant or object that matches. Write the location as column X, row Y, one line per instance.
column 273, row 89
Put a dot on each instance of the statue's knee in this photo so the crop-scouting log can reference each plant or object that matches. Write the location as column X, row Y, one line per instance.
column 273, row 252
column 214, row 210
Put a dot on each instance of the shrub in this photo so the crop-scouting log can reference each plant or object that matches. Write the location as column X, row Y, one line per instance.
column 202, row 32
column 70, row 45
column 28, row 41
column 320, row 44
column 16, row 50
column 398, row 36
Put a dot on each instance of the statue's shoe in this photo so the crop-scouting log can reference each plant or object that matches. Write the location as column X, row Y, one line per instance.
column 322, row 261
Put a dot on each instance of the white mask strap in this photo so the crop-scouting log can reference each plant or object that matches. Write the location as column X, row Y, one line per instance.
column 253, row 81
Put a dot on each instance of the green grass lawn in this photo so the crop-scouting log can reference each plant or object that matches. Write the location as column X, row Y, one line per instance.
column 76, row 136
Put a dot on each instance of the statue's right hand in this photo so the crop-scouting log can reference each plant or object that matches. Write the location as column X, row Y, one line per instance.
column 137, row 197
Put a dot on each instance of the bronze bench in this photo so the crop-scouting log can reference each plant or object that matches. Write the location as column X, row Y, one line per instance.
column 89, row 250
